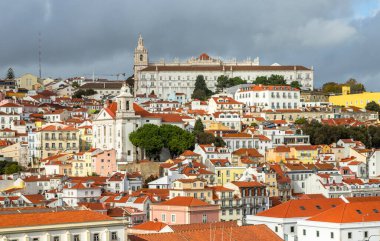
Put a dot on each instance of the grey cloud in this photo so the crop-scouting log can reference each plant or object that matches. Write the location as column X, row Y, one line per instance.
column 93, row 35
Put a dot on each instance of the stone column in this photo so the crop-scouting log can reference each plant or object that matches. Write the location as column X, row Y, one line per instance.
column 107, row 235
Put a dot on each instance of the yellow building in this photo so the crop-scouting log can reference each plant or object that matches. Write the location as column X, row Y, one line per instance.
column 226, row 174
column 58, row 138
column 85, row 137
column 279, row 154
column 305, row 154
column 28, row 81
column 358, row 100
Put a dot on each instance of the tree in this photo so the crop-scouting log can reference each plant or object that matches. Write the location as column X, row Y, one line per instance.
column 198, row 127
column 275, row 79
column 153, row 138
column 332, row 87
column 148, row 138
column 176, row 139
column 221, row 83
column 261, row 80
column 81, row 92
column 373, row 106
column 272, row 80
column 75, row 84
column 295, row 84
column 201, row 91
column 355, row 86
column 9, row 167
column 300, row 121
column 149, row 179
column 10, row 74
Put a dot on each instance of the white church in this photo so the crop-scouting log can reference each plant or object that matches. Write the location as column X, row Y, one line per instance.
column 166, row 78
column 112, row 126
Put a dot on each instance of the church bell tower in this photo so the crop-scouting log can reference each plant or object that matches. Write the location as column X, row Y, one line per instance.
column 140, row 60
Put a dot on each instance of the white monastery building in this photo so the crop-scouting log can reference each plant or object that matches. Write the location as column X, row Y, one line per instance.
column 166, row 78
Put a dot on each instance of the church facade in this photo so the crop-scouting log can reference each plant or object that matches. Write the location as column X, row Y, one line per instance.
column 112, row 126
column 165, row 78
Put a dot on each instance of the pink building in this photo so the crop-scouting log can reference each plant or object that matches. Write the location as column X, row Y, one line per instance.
column 184, row 210
column 104, row 163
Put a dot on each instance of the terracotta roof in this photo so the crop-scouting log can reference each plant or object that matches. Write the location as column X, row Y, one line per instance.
column 242, row 233
column 250, row 152
column 248, row 184
column 301, row 208
column 184, row 201
column 189, row 153
column 49, row 218
column 350, row 213
column 198, row 226
column 220, row 68
column 151, row 226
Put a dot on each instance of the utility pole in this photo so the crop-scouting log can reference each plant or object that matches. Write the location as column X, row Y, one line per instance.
column 39, row 55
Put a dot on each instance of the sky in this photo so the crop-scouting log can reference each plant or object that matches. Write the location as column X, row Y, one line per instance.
column 339, row 38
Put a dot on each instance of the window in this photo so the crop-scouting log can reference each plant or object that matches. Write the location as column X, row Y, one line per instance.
column 35, row 239
column 95, row 237
column 204, row 218
column 317, row 233
column 292, row 229
column 76, row 237
column 349, row 235
column 304, row 232
column 55, row 238
column 114, row 236
column 173, row 218
column 365, row 234
column 163, row 217
column 276, row 229
column 332, row 235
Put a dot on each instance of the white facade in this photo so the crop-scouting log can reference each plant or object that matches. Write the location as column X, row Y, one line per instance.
column 107, row 230
column 269, row 97
column 179, row 77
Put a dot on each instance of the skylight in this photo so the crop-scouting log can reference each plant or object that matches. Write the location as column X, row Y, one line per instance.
column 302, row 208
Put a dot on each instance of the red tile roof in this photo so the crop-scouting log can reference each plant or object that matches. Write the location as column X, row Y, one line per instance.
column 49, row 218
column 184, row 201
column 350, row 213
column 151, row 226
column 301, row 208
column 242, row 233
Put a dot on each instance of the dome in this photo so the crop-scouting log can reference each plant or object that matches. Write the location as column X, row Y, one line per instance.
column 204, row 56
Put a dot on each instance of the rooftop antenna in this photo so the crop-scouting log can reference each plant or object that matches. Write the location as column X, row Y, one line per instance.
column 39, row 54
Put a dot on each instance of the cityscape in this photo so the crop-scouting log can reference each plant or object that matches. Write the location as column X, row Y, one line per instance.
column 162, row 136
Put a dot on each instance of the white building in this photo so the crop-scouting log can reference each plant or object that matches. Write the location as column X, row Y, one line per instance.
column 74, row 193
column 269, row 97
column 166, row 78
column 77, row 225
column 112, row 126
column 346, row 222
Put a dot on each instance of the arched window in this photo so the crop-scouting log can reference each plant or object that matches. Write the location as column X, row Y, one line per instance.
column 141, row 57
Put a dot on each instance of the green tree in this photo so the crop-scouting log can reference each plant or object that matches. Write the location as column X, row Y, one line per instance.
column 275, row 79
column 295, row 84
column 198, row 127
column 81, row 92
column 75, row 84
column 261, row 80
column 272, row 80
column 300, row 121
column 201, row 91
column 148, row 138
column 221, row 83
column 12, row 168
column 332, row 87
column 355, row 86
column 176, row 139
column 373, row 106
column 10, row 74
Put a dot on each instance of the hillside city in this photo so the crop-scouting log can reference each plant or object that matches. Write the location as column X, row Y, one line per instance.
column 200, row 149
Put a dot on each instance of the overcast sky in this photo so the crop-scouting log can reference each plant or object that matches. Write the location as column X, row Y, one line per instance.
column 340, row 38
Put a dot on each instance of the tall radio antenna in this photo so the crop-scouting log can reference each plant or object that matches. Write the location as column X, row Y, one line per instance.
column 39, row 54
